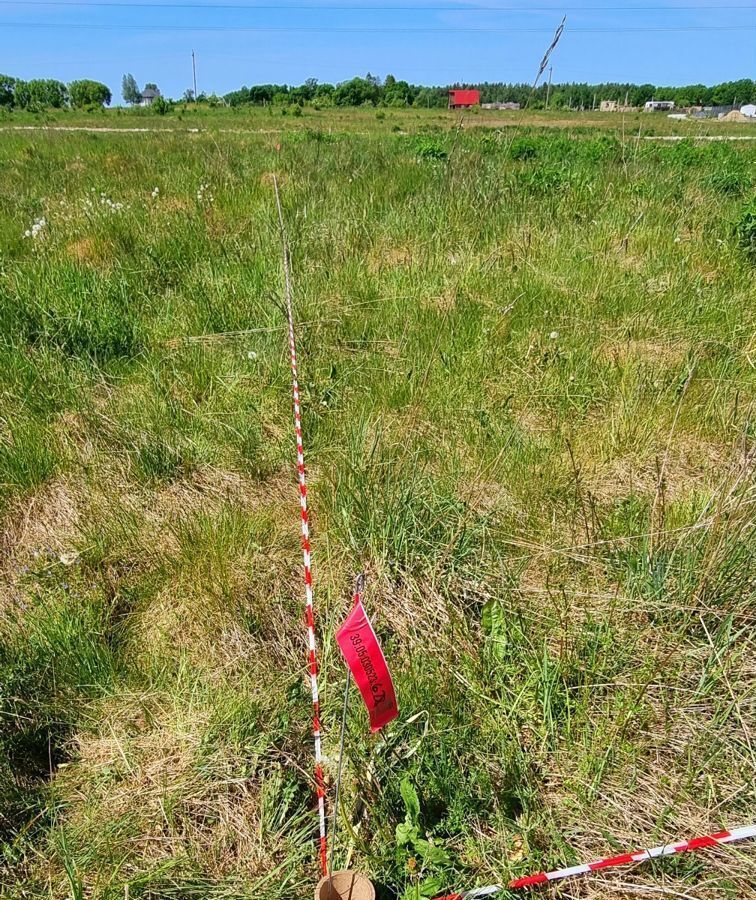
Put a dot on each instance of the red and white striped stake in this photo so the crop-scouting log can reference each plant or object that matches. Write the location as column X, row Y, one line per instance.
column 312, row 656
column 625, row 859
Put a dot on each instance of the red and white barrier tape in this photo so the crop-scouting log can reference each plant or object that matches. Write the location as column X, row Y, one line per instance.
column 625, row 859
column 306, row 553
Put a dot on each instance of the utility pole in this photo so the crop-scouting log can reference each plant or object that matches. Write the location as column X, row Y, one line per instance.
column 194, row 75
column 548, row 88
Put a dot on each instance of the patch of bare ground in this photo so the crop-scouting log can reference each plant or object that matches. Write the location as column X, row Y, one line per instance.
column 76, row 164
column 630, row 261
column 152, row 771
column 57, row 521
column 235, row 611
column 485, row 497
column 210, row 488
column 534, row 423
column 645, row 350
column 44, row 524
column 388, row 256
column 516, row 120
column 693, row 464
column 411, row 610
column 173, row 203
column 90, row 251
column 114, row 163
column 267, row 178
column 232, row 616
column 445, row 301
column 707, row 272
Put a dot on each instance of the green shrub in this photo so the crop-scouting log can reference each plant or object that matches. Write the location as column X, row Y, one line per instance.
column 728, row 181
column 603, row 147
column 523, row 148
column 546, row 179
column 427, row 148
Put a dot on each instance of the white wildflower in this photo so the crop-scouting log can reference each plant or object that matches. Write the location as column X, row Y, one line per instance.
column 155, row 193
column 204, row 194
column 36, row 229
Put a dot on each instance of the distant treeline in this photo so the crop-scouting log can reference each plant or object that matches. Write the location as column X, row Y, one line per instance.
column 372, row 91
column 47, row 93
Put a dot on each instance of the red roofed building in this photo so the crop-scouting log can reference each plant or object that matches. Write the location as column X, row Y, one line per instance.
column 463, row 99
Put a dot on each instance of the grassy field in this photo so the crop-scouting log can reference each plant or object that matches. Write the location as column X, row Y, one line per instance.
column 528, row 367
column 274, row 119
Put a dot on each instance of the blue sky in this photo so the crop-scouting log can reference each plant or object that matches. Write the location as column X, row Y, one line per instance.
column 461, row 40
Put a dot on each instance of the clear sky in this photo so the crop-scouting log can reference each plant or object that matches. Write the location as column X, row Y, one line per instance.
column 423, row 41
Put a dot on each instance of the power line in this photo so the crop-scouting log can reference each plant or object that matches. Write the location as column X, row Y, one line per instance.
column 367, row 30
column 136, row 4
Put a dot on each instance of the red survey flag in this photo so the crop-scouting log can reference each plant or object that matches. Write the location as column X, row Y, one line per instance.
column 363, row 655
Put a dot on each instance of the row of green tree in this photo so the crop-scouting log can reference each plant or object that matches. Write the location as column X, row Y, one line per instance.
column 372, row 91
column 47, row 93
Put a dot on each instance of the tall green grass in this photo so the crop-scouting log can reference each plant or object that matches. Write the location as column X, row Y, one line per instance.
column 528, row 385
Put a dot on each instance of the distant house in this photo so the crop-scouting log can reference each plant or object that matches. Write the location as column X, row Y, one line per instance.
column 148, row 97
column 615, row 106
column 749, row 110
column 713, row 112
column 659, row 105
column 500, row 105
column 463, row 99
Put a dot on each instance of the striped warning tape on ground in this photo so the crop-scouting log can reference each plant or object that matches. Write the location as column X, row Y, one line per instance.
column 312, row 655
column 624, row 859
